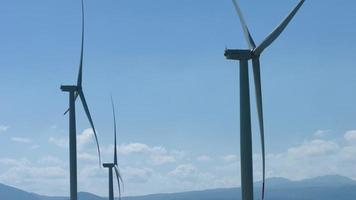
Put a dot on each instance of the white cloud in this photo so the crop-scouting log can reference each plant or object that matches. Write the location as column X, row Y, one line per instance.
column 348, row 153
column 179, row 155
column 50, row 161
column 32, row 176
column 60, row 142
column 21, row 140
column 188, row 177
column 322, row 133
column 13, row 162
column 3, row 128
column 137, row 175
column 85, row 138
column 87, row 157
column 204, row 158
column 313, row 158
column 162, row 159
column 140, row 148
column 35, row 146
column 21, row 173
column 158, row 155
column 184, row 170
column 90, row 171
column 314, row 148
column 350, row 136
column 54, row 126
column 142, row 167
column 230, row 158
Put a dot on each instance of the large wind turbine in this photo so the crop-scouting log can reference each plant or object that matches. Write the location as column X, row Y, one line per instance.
column 74, row 92
column 114, row 165
column 244, row 55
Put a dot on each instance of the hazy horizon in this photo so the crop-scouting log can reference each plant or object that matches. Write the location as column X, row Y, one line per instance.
column 326, row 182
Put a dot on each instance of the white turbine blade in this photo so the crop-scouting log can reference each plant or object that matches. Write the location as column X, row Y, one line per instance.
column 86, row 109
column 247, row 33
column 119, row 180
column 274, row 35
column 115, row 150
column 258, row 89
column 80, row 74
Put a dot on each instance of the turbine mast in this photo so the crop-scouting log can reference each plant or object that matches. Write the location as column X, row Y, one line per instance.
column 110, row 167
column 72, row 142
column 245, row 134
column 243, row 56
column 74, row 92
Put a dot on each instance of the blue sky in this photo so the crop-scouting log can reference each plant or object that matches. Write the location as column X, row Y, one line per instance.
column 177, row 95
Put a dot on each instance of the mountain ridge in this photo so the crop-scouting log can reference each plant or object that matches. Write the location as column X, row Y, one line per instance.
column 328, row 187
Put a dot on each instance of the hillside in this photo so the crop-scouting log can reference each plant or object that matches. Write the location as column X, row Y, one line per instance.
column 325, row 188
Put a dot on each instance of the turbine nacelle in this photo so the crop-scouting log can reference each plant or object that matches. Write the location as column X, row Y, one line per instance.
column 108, row 165
column 68, row 88
column 239, row 54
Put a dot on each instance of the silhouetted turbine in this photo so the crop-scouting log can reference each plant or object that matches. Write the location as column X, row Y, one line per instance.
column 114, row 165
column 244, row 55
column 74, row 92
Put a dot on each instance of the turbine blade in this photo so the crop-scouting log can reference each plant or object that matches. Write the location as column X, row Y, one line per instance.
column 80, row 73
column 86, row 108
column 115, row 150
column 274, row 35
column 247, row 33
column 75, row 98
column 258, row 89
column 119, row 180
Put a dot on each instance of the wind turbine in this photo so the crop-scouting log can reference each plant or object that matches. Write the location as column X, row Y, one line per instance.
column 114, row 165
column 74, row 92
column 244, row 55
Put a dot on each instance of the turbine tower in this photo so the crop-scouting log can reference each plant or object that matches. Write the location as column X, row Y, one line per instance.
column 114, row 165
column 243, row 56
column 74, row 92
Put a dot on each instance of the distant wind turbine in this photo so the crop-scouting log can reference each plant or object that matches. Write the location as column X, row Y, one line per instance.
column 114, row 165
column 74, row 92
column 244, row 55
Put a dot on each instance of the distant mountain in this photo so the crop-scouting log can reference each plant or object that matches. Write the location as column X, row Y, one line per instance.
column 321, row 181
column 9, row 193
column 327, row 181
column 319, row 188
column 81, row 196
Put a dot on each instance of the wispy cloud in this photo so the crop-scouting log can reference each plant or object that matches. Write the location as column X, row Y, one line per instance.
column 350, row 136
column 322, row 133
column 204, row 158
column 50, row 160
column 21, row 140
column 184, row 170
column 3, row 128
column 230, row 158
column 35, row 146
column 60, row 142
column 137, row 175
column 54, row 127
column 87, row 157
column 159, row 155
column 314, row 148
column 85, row 138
